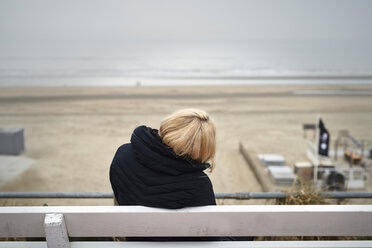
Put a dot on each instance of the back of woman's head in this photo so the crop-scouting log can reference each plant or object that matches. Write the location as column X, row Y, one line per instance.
column 190, row 132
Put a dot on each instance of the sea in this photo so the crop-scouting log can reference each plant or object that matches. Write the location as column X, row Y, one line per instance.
column 179, row 63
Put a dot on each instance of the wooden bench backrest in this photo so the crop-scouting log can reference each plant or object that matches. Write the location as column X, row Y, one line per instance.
column 251, row 220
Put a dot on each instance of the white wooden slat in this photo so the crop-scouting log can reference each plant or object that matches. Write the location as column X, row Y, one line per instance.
column 220, row 209
column 16, row 244
column 217, row 224
column 21, row 224
column 236, row 244
column 233, row 244
column 55, row 231
column 262, row 220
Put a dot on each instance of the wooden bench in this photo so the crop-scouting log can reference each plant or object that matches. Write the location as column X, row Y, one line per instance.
column 57, row 224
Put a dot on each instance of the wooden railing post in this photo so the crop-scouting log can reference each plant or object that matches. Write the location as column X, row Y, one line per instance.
column 56, row 231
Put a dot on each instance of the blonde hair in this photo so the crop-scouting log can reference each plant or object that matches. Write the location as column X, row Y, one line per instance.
column 190, row 132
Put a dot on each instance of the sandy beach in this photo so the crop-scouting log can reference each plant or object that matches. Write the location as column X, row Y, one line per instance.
column 72, row 133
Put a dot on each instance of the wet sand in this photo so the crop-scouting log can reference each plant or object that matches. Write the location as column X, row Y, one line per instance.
column 72, row 133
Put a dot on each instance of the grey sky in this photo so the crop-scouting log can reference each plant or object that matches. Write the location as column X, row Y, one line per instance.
column 110, row 20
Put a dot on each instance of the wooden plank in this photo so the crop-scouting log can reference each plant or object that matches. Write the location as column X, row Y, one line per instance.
column 236, row 244
column 21, row 224
column 14, row 244
column 55, row 231
column 250, row 220
column 254, row 165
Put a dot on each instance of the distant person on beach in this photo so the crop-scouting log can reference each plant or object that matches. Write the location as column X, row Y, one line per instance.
column 165, row 168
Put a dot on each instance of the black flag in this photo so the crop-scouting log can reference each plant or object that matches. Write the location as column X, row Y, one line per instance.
column 323, row 139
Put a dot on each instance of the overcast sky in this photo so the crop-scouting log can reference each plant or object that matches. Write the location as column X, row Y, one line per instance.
column 110, row 20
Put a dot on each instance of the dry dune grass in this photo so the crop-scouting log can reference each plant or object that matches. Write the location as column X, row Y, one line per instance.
column 306, row 195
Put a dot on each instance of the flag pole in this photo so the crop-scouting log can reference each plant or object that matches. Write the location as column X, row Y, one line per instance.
column 316, row 143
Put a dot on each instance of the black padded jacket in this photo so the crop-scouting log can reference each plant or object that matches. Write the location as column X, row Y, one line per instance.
column 146, row 172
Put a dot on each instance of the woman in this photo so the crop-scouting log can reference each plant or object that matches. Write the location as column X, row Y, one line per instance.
column 164, row 168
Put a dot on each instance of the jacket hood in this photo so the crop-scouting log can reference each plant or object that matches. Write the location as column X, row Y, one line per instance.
column 150, row 151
